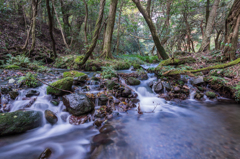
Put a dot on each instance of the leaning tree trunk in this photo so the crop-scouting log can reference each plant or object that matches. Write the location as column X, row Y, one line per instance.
column 152, row 28
column 232, row 30
column 109, row 30
column 34, row 16
column 209, row 27
column 51, row 27
column 96, row 33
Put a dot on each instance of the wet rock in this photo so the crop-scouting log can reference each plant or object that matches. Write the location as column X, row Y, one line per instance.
column 77, row 120
column 198, row 80
column 64, row 84
column 103, row 99
column 200, row 88
column 106, row 129
column 110, row 84
column 101, row 139
column 210, row 94
column 198, row 95
column 11, row 81
column 45, row 154
column 55, row 102
column 13, row 94
column 176, row 89
column 6, row 89
column 42, row 106
column 150, row 84
column 32, row 93
column 167, row 85
column 80, row 79
column 50, row 117
column 19, row 122
column 132, row 81
column 134, row 100
column 99, row 114
column 95, row 78
column 77, row 104
column 126, row 92
column 158, row 87
column 98, row 123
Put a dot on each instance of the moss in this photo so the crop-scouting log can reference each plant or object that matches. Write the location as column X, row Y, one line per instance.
column 65, row 84
column 136, row 66
column 237, row 93
column 175, row 61
column 133, row 81
column 110, row 84
column 78, row 59
column 94, row 68
column 213, row 80
column 73, row 74
column 210, row 94
column 15, row 67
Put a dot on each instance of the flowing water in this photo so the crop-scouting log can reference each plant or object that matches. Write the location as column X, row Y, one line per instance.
column 187, row 129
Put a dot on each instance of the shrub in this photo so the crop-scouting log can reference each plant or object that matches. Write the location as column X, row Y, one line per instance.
column 29, row 80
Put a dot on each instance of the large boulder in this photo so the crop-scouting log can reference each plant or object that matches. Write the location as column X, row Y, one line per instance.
column 158, row 87
column 78, row 104
column 198, row 80
column 64, row 84
column 19, row 122
column 133, row 81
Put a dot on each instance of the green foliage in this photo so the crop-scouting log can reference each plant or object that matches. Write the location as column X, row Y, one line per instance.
column 20, row 60
column 79, row 59
column 29, row 80
column 11, row 67
column 73, row 74
column 108, row 72
column 237, row 93
column 149, row 59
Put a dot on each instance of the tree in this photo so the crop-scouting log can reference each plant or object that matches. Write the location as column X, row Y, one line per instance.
column 96, row 33
column 232, row 30
column 209, row 27
column 51, row 27
column 109, row 30
column 152, row 28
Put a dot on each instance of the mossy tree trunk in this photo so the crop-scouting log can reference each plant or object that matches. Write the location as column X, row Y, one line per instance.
column 161, row 50
column 96, row 33
column 109, row 30
column 221, row 66
column 231, row 30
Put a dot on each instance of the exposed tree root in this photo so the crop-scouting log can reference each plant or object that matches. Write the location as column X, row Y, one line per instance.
column 221, row 66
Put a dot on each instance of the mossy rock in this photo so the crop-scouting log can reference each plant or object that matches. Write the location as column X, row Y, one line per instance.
column 14, row 67
column 19, row 122
column 65, row 84
column 136, row 66
column 78, row 59
column 210, row 94
column 133, row 81
column 73, row 74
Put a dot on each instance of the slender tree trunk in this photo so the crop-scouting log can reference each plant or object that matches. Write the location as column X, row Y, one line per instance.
column 85, row 21
column 50, row 28
column 207, row 16
column 217, row 40
column 232, row 30
column 34, row 16
column 188, row 31
column 109, row 30
column 96, row 32
column 60, row 26
column 65, row 18
column 209, row 28
column 119, row 25
column 152, row 28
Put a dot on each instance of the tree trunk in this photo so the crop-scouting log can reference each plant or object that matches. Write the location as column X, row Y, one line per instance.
column 152, row 28
column 232, row 30
column 118, row 29
column 34, row 16
column 96, row 32
column 217, row 40
column 109, row 30
column 66, row 25
column 51, row 28
column 85, row 21
column 209, row 27
column 188, row 31
column 60, row 26
column 207, row 16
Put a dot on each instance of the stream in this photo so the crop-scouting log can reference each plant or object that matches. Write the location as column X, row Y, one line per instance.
column 186, row 129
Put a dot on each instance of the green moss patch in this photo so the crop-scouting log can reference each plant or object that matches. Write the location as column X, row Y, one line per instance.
column 65, row 84
column 73, row 74
column 15, row 67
